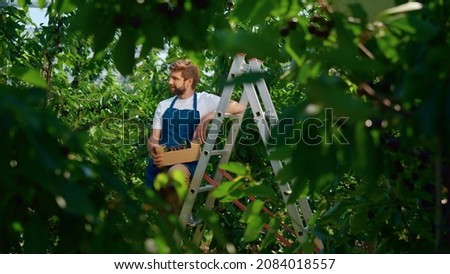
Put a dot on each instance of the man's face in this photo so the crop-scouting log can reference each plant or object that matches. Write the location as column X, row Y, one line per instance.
column 177, row 83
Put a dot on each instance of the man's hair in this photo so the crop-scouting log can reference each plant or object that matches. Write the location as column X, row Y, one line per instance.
column 188, row 70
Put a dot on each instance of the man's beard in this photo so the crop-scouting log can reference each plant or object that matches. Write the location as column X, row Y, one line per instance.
column 178, row 91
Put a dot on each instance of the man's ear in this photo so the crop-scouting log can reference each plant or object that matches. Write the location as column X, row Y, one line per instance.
column 190, row 81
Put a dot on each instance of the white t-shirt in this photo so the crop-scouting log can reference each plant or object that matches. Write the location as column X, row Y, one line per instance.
column 206, row 103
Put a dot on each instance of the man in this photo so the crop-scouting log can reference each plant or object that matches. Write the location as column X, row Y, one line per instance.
column 178, row 120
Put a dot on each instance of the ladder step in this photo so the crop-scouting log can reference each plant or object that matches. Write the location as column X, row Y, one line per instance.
column 232, row 116
column 193, row 222
column 220, row 152
column 205, row 188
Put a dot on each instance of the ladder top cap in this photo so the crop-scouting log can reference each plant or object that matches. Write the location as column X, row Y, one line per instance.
column 255, row 59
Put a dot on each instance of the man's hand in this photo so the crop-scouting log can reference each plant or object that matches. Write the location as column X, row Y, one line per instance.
column 152, row 144
column 157, row 157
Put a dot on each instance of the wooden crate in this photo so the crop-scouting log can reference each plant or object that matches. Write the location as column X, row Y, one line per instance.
column 184, row 155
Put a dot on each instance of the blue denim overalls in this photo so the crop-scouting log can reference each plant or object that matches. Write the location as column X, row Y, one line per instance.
column 178, row 127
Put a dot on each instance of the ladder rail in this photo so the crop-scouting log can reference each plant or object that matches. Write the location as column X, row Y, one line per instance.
column 213, row 133
column 255, row 65
column 218, row 175
column 264, row 131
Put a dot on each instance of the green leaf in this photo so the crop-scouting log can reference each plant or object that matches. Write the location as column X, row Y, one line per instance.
column 74, row 199
column 298, row 189
column 104, row 33
column 261, row 45
column 281, row 152
column 254, row 220
column 371, row 7
column 254, row 12
column 161, row 181
column 236, row 168
column 34, row 77
column 413, row 25
column 358, row 222
column 252, row 211
column 124, row 53
column 368, row 157
column 179, row 180
column 253, row 229
column 335, row 212
column 30, row 76
column 41, row 3
column 64, row 6
column 274, row 225
column 17, row 226
column 228, row 191
column 84, row 20
column 260, row 191
column 154, row 38
column 23, row 4
column 35, row 235
column 331, row 92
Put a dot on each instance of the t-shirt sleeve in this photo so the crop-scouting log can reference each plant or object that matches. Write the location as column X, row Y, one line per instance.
column 157, row 118
column 212, row 101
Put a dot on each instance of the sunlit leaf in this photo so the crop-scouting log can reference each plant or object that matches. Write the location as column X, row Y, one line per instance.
column 228, row 191
column 253, row 229
column 30, row 76
column 236, row 168
column 407, row 7
column 161, row 181
column 41, row 3
column 252, row 211
column 254, row 220
column 17, row 226
column 181, row 186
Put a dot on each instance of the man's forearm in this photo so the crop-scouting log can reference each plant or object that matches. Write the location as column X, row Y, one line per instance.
column 235, row 107
column 151, row 143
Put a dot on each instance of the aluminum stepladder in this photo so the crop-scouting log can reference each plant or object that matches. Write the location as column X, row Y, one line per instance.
column 265, row 116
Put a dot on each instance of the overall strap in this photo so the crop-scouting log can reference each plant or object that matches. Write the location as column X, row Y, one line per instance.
column 195, row 101
column 173, row 102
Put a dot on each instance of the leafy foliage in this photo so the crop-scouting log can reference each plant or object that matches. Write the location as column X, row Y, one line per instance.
column 361, row 88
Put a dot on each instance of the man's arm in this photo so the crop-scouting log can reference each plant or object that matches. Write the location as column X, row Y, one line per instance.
column 232, row 108
column 152, row 142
